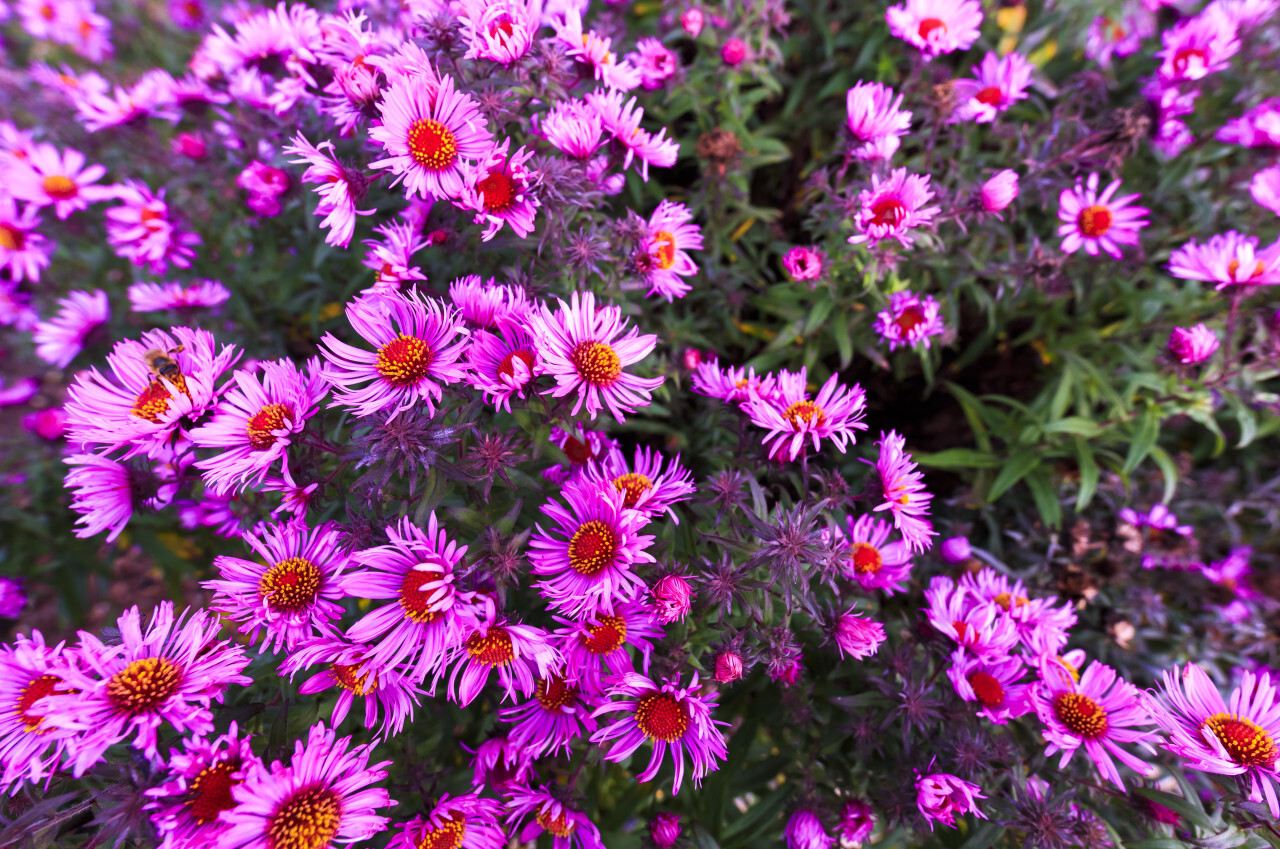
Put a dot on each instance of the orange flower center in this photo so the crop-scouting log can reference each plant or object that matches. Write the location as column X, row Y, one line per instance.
column 59, row 187
column 560, row 826
column 991, row 95
column 153, row 402
column 349, row 678
column 866, row 558
column 805, row 412
column 308, row 819
column 592, row 548
column 1094, row 221
column 144, row 685
column 605, row 637
column 597, row 363
column 499, row 192
column 32, row 693
column 211, row 791
column 634, row 485
column 263, row 424
column 508, row 364
column 291, row 586
column 431, row 144
column 1232, row 267
column 11, row 238
column 414, row 601
column 493, row 648
column 555, row 693
column 931, row 25
column 661, row 717
column 987, row 689
column 404, row 361
column 663, row 249
column 448, row 836
column 1246, row 741
column 888, row 212
column 1081, row 715
column 1008, row 601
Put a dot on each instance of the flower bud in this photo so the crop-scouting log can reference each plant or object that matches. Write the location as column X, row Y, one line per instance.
column 856, row 822
column 692, row 358
column 674, row 598
column 857, row 635
column 665, row 829
column 691, row 21
column 1000, row 191
column 803, row 263
column 1190, row 345
column 190, row 145
column 728, row 666
column 804, row 831
column 955, row 550
column 734, row 52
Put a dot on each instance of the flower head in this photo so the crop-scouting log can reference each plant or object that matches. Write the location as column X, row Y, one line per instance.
column 1228, row 259
column 61, row 179
column 910, row 319
column 24, row 251
column 992, row 683
column 1094, row 220
column 521, row 655
column 1264, row 188
column 503, row 363
column 999, row 191
column 558, row 714
column 461, row 822
column 1198, row 46
column 804, row 263
column 804, row 831
column 892, row 206
column 664, row 829
column 143, row 230
column 857, row 821
column 1191, row 345
column 651, row 483
column 60, row 339
column 153, row 297
column 497, row 188
column 672, row 598
column 940, row 796
column 599, row 647
column 875, row 120
column 903, row 491
column 338, row 187
column 569, row 828
column 389, row 696
column 936, row 26
column 31, row 749
column 670, row 234
column 501, row 31
column 999, row 82
column 793, row 419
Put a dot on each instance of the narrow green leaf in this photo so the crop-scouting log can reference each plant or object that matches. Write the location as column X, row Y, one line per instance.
column 958, row 458
column 1019, row 466
column 844, row 342
column 1145, row 433
column 1046, row 497
column 1169, row 469
column 1183, row 807
column 1074, row 425
column 1088, row 473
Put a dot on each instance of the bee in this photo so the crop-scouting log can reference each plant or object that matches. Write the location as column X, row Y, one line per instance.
column 160, row 364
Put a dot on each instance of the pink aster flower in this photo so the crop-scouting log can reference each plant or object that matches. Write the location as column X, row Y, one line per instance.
column 1098, row 712
column 254, row 423
column 936, row 26
column 999, row 83
column 573, row 127
column 580, row 447
column 499, row 763
column 392, row 255
column 869, row 557
column 60, row 339
column 24, row 251
column 622, row 121
column 185, row 808
column 1039, row 623
column 793, row 420
column 876, row 121
column 857, row 821
column 858, row 636
column 389, row 697
column 999, row 191
column 735, row 384
column 291, row 592
column 49, row 424
column 579, row 345
column 940, row 796
column 429, row 615
column 47, row 177
column 1108, row 37
column 734, row 52
column 142, row 230
column 592, row 49
column 893, row 206
column 501, row 31
column 910, row 320
column 323, row 795
column 979, row 628
column 587, row 559
column 804, row 831
column 1098, row 221
column 461, row 822
column 414, row 338
column 102, row 493
column 488, row 305
column 31, row 749
column 656, row 62
column 1264, row 188
column 598, row 648
column 992, row 683
column 691, row 21
column 664, row 829
column 1259, row 127
column 503, row 364
column 169, row 673
column 159, row 380
column 651, row 484
column 569, row 828
column 154, row 297
column 497, row 190
column 1191, row 345
column 1198, row 46
column 428, row 132
column 339, row 188
column 1227, row 259
column 1224, row 737
column 675, row 719
column 558, row 714
column 729, row 667
column 671, row 233
column 672, row 598
column 521, row 654
column 804, row 263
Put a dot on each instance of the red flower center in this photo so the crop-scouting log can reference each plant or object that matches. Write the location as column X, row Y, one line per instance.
column 560, row 826
column 404, row 361
column 151, row 219
column 592, row 548
column 605, row 637
column 1094, row 221
column 291, row 586
column 866, row 558
column 448, row 836
column 663, row 249
column 32, row 693
column 634, row 485
column 431, row 144
column 911, row 318
column 308, row 819
column 263, row 424
column 501, row 25
column 414, row 601
column 991, row 95
column 211, row 791
column 931, row 25
column 348, row 677
column 577, row 451
column 1081, row 715
column 59, row 187
column 499, row 192
column 1246, row 741
column 555, row 693
column 508, row 364
column 987, row 689
column 493, row 648
column 153, row 402
column 144, row 685
column 47, row 11
column 597, row 363
column 1182, row 59
column 11, row 238
column 888, row 212
column 661, row 717
column 806, row 412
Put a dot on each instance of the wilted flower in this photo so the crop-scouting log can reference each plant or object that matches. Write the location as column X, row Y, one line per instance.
column 940, row 796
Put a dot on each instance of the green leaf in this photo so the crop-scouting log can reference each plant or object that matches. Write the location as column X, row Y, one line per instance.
column 844, row 343
column 1019, row 466
column 1169, row 469
column 1074, row 425
column 1145, row 433
column 984, row 836
column 1088, row 473
column 958, row 458
column 1046, row 497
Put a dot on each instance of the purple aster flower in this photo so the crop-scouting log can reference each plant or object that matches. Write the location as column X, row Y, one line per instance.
column 903, row 491
column 728, row 667
column 876, row 120
column 153, row 297
column 1191, row 345
column 602, row 642
column 955, row 550
column 1228, row 259
column 49, row 177
column 253, row 424
column 1000, row 82
column 940, row 796
column 416, row 352
column 499, row 30
column 1198, row 46
column 392, row 255
column 936, row 26
column 992, row 683
column 676, row 720
column 1256, row 128
column 169, row 673
column 501, row 764
column 651, row 484
column 389, row 697
column 293, row 594
column 978, row 627
column 579, row 345
column 735, row 384
column 858, row 636
column 103, row 492
column 1098, row 713
column 1264, row 188
column 461, row 822
column 656, row 62
column 185, row 809
column 24, row 251
column 569, row 828
column 1164, row 539
column 31, row 749
column 502, row 364
column 60, row 339
column 323, row 795
column 1095, row 221
column 793, row 420
column 857, row 821
column 489, row 306
column 622, row 121
column 497, row 190
column 557, row 715
column 893, row 206
column 142, row 230
column 804, row 263
column 13, row 598
column 999, row 191
column 804, row 831
column 521, row 654
column 580, row 447
column 1109, row 37
column 911, row 319
column 671, row 233
column 573, row 127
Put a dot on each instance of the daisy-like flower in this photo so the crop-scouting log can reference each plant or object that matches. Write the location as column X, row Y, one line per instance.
column 869, row 557
column 587, row 559
column 665, row 262
column 291, row 596
column 794, row 420
column 462, row 822
column 903, row 492
column 600, row 643
column 499, row 30
column 573, row 127
column 999, row 83
column 389, row 697
column 979, row 628
column 580, row 447
column 647, row 486
column 521, row 654
column 1038, row 621
column 909, row 320
column 804, row 263
column 675, row 719
column 415, row 340
column 1094, row 220
column 142, row 231
column 557, row 715
column 999, row 191
column 60, row 339
column 804, row 831
column 103, row 494
column 169, row 673
column 497, row 190
column 735, row 384
column 992, row 683
column 1198, row 46
column 24, row 251
column 30, row 748
column 338, row 187
column 1220, row 736
column 579, row 346
column 154, row 297
column 324, row 795
column 1098, row 712
column 590, row 48
column 160, row 379
column 503, row 364
column 253, row 424
column 1227, row 259
column 856, row 635
column 940, row 796
column 876, row 121
column 893, row 206
column 569, row 828
column 185, row 808
column 1108, row 37
column 622, row 121
column 1191, row 345
column 428, row 616
column 1264, row 188
column 429, row 131
column 488, row 305
column 1259, row 127
column 656, row 62
column 392, row 255
column 47, row 177
column 936, row 26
